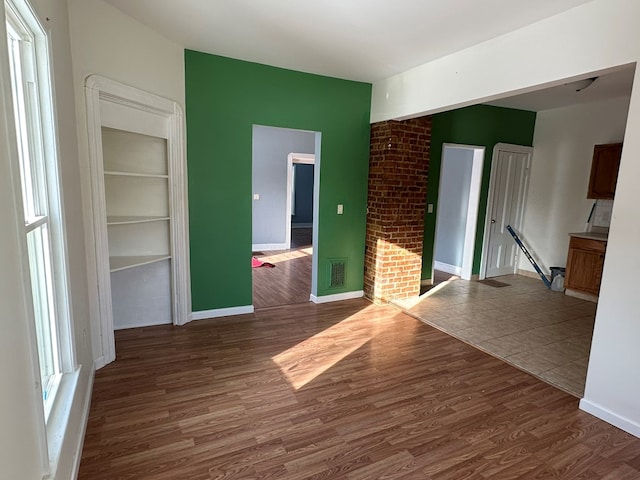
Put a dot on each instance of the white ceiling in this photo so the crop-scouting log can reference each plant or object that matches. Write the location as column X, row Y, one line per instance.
column 613, row 84
column 362, row 40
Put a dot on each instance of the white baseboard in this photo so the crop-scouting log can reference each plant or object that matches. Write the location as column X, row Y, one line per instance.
column 608, row 416
column 257, row 247
column 301, row 225
column 150, row 323
column 527, row 273
column 99, row 362
column 426, row 282
column 222, row 312
column 445, row 267
column 337, row 297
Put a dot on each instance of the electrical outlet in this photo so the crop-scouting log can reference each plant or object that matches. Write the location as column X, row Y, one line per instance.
column 429, row 207
column 256, row 196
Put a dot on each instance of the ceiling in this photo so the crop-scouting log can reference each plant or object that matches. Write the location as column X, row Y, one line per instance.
column 612, row 84
column 364, row 40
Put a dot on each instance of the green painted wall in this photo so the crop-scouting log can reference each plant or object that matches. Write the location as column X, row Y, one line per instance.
column 224, row 99
column 479, row 125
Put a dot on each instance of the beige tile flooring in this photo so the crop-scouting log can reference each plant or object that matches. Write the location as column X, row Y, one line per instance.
column 545, row 333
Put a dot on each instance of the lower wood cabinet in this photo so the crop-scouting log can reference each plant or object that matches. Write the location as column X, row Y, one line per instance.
column 584, row 265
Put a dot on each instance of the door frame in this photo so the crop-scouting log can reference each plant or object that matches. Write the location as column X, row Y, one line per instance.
column 472, row 208
column 503, row 147
column 292, row 159
column 146, row 113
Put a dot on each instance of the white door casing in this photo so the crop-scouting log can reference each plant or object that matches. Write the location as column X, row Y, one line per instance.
column 294, row 158
column 146, row 113
column 505, row 206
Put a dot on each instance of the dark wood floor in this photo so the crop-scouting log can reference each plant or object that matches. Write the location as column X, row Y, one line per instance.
column 335, row 391
column 289, row 281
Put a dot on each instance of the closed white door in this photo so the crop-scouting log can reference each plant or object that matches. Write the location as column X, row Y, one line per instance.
column 510, row 172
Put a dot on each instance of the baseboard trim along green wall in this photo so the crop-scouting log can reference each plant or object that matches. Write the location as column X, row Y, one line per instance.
column 224, row 99
column 479, row 125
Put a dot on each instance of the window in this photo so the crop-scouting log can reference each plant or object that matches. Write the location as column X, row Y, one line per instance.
column 35, row 134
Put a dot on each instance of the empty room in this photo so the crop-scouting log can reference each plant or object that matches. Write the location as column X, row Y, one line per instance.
column 265, row 240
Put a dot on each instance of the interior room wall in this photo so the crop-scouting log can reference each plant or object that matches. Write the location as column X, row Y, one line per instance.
column 225, row 98
column 303, row 195
column 20, row 445
column 557, row 201
column 593, row 37
column 270, row 149
column 479, row 125
column 109, row 43
column 455, row 180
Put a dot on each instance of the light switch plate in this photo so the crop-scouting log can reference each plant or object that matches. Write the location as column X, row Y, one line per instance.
column 340, row 209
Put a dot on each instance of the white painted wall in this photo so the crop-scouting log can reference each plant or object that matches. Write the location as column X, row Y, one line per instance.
column 557, row 202
column 594, row 37
column 453, row 204
column 107, row 42
column 20, row 446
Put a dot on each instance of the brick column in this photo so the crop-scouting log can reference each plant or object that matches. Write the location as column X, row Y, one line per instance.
column 398, row 167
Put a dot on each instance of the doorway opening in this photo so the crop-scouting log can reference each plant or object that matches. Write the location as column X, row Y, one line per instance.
column 285, row 185
column 457, row 212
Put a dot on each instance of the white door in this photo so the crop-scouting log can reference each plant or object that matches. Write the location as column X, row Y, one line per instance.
column 509, row 177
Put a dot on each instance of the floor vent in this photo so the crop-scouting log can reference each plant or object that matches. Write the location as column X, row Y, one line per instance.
column 337, row 271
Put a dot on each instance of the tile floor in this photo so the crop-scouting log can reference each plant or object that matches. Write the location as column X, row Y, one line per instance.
column 545, row 333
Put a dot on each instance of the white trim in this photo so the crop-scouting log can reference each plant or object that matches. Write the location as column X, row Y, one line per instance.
column 426, row 282
column 148, row 323
column 502, row 147
column 447, row 268
column 256, row 247
column 84, row 420
column 316, row 214
column 222, row 312
column 608, row 416
column 101, row 92
column 100, row 362
column 472, row 213
column 301, row 158
column 304, row 158
column 337, row 297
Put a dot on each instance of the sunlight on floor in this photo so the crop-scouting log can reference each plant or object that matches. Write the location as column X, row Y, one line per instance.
column 312, row 357
column 413, row 301
column 284, row 256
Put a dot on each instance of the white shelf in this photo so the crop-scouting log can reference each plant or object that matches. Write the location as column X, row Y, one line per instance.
column 124, row 220
column 134, row 174
column 123, row 263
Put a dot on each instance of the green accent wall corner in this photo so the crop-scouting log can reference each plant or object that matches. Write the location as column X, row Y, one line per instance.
column 478, row 125
column 224, row 99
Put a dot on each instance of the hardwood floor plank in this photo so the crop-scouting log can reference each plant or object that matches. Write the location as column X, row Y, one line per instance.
column 336, row 391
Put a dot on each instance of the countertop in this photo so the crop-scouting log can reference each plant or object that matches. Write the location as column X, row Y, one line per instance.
column 591, row 235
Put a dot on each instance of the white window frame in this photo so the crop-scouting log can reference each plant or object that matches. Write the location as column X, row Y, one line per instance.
column 36, row 132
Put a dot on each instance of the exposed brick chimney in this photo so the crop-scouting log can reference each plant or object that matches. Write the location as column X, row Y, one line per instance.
column 398, row 167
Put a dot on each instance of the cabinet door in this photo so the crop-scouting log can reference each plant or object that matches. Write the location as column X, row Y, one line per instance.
column 604, row 171
column 584, row 270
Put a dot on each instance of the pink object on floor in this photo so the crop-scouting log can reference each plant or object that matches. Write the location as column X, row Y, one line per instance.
column 256, row 262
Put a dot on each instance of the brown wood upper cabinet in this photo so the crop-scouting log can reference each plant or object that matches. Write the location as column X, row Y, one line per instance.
column 604, row 171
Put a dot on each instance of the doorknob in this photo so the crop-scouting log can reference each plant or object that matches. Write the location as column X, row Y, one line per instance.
column 493, row 220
